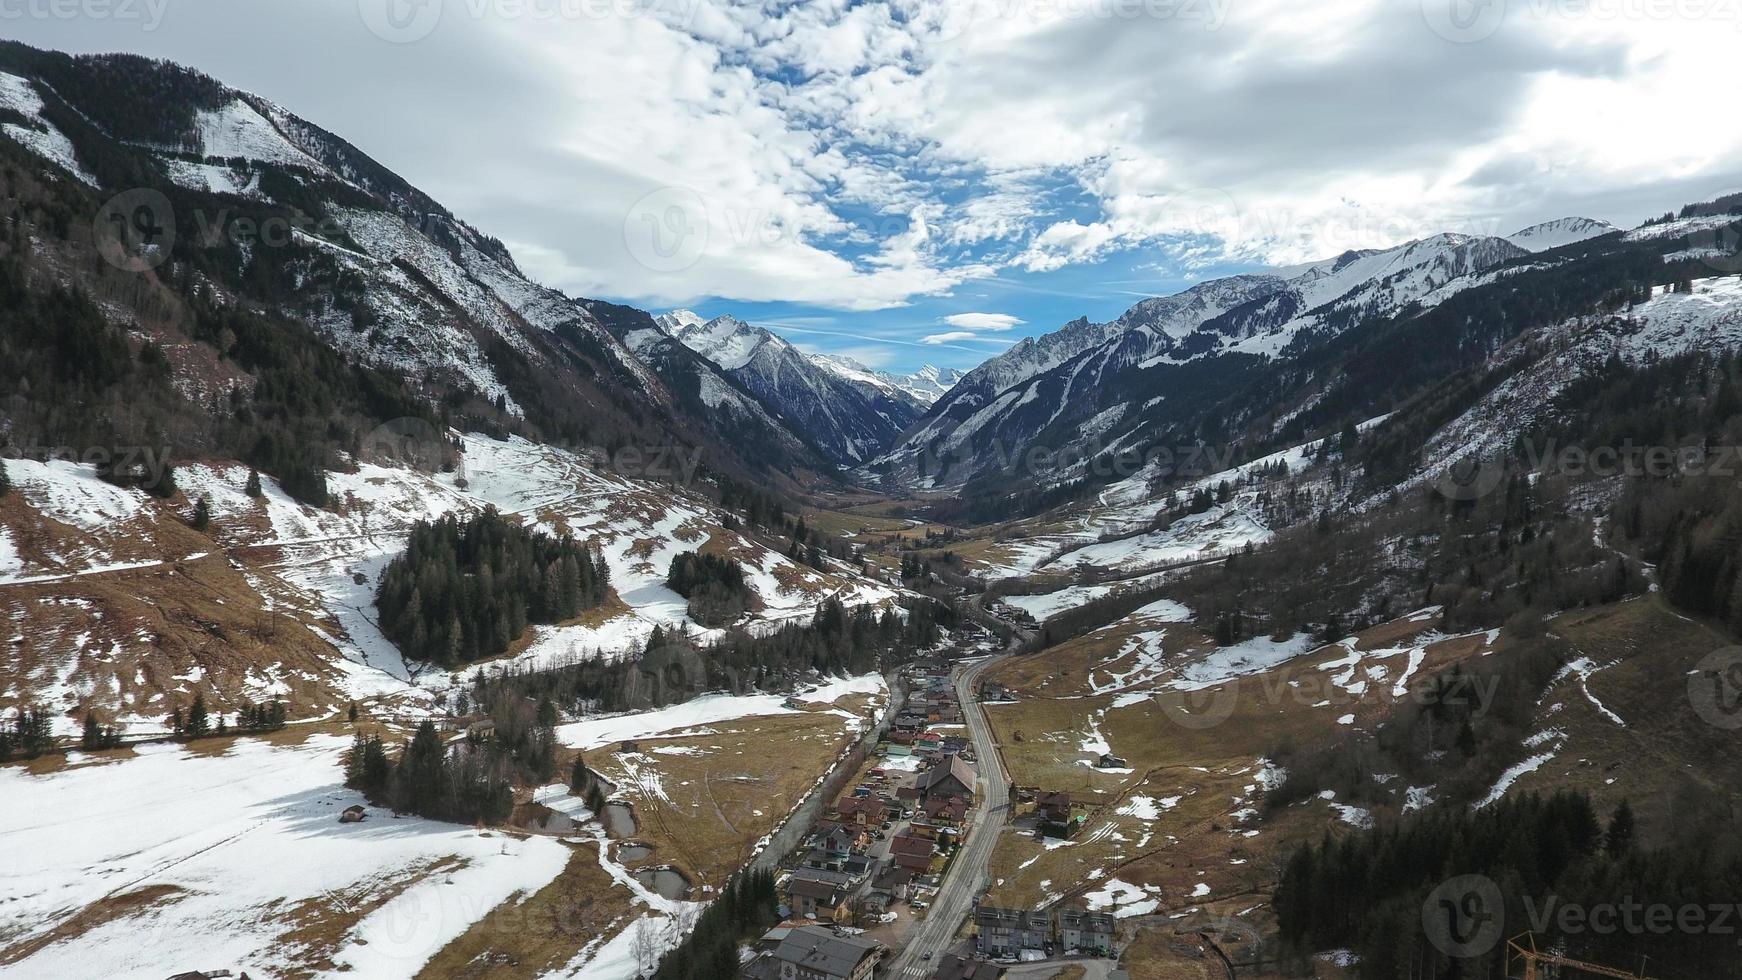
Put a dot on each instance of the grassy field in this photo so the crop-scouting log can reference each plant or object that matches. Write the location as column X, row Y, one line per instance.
column 1183, row 825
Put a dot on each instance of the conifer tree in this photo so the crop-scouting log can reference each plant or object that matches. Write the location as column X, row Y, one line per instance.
column 202, row 514
column 198, row 723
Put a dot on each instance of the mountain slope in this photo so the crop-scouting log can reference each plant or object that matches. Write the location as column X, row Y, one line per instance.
column 1098, row 388
column 255, row 212
column 847, row 420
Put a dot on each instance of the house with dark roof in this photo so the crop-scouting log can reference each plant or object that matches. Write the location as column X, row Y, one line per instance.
column 817, row 953
column 1055, row 807
column 1083, row 931
column 947, row 812
column 1003, row 932
column 949, row 777
column 814, row 899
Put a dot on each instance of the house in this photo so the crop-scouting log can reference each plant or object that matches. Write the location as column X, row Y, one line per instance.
column 863, row 811
column 354, row 813
column 892, row 885
column 814, row 899
column 955, row 967
column 1083, row 931
column 1005, row 932
column 1055, row 807
column 949, row 777
column 1110, row 761
column 817, row 953
column 948, row 812
column 912, row 853
column 994, row 691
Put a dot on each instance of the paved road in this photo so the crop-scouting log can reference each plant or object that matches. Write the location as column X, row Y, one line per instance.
column 936, row 933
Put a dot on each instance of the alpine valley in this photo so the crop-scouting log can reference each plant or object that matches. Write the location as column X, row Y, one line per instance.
column 371, row 609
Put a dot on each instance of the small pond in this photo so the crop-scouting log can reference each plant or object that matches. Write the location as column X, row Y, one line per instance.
column 619, row 820
column 666, row 882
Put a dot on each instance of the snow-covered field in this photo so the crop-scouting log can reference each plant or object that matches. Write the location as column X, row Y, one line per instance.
column 224, row 857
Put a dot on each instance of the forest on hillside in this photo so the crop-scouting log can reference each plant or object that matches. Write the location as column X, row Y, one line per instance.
column 467, row 588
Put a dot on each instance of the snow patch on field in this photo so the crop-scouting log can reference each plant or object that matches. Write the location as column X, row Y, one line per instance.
column 1124, row 899
column 700, row 712
column 242, row 838
column 73, row 494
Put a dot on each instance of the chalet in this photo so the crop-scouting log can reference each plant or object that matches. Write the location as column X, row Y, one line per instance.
column 810, row 898
column 863, row 811
column 1004, row 932
column 912, row 853
column 994, row 691
column 950, row 777
column 948, row 812
column 1082, row 931
column 1110, row 761
column 892, row 885
column 929, row 742
column 1055, row 807
column 817, row 953
column 954, row 967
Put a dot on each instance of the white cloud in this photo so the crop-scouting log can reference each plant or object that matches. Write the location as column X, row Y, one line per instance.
column 947, row 338
column 858, row 156
column 983, row 321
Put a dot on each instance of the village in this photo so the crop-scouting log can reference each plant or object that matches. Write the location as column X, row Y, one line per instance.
column 866, row 873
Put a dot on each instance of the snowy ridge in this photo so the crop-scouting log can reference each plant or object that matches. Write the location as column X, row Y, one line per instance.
column 846, row 418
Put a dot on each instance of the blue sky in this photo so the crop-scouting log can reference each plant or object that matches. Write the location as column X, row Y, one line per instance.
column 855, row 173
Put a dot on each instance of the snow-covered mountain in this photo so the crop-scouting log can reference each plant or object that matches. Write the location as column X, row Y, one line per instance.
column 1060, row 385
column 849, row 419
column 375, row 267
column 923, row 387
column 1559, row 232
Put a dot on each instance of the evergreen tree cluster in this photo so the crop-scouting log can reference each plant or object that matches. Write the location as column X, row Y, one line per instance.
column 714, row 586
column 472, row 783
column 1366, row 891
column 838, row 641
column 29, row 735
column 747, row 906
column 97, row 735
column 467, row 589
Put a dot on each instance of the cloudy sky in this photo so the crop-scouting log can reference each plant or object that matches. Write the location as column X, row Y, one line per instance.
column 915, row 181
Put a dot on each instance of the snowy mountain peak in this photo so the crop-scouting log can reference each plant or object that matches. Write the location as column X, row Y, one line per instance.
column 678, row 321
column 1561, row 231
column 923, row 387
